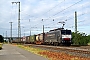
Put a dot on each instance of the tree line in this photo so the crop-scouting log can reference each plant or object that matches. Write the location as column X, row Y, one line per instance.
column 80, row 38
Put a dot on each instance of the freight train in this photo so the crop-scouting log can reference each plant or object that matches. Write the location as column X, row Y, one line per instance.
column 54, row 37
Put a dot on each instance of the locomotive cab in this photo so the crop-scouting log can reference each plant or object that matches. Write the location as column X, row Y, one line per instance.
column 66, row 37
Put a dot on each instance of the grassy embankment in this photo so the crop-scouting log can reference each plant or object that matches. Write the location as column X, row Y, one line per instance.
column 1, row 45
column 52, row 55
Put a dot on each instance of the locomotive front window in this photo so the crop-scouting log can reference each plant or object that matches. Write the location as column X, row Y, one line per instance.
column 63, row 32
column 66, row 32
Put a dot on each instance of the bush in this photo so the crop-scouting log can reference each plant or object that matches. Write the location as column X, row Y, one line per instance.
column 1, row 38
column 80, row 39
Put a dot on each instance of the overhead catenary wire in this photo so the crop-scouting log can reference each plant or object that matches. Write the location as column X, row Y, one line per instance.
column 57, row 5
column 55, row 15
column 35, row 18
column 65, row 8
column 54, row 7
column 50, row 10
column 74, row 4
column 84, row 24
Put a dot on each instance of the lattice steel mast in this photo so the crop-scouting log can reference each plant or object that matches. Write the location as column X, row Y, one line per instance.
column 11, row 32
column 19, row 30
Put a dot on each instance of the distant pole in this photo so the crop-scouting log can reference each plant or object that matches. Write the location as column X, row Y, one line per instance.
column 6, row 35
column 3, row 37
column 43, row 30
column 75, row 22
column 76, row 42
column 30, row 32
column 23, row 31
column 19, row 29
column 43, row 26
column 20, row 33
column 7, row 38
column 30, row 28
column 11, row 32
column 3, row 34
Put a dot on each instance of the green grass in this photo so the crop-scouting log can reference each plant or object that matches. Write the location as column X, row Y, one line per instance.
column 89, row 43
column 1, row 45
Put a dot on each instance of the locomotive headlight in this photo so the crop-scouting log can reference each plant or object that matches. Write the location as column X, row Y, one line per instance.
column 63, row 41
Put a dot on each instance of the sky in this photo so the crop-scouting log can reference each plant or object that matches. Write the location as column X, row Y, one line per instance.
column 51, row 11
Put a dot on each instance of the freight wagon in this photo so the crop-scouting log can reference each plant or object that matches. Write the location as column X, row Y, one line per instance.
column 32, row 38
column 27, row 39
column 40, row 38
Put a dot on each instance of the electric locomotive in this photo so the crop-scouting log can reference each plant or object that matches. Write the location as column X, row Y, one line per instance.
column 58, row 37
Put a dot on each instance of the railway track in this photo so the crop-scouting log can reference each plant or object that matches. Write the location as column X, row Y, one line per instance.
column 75, row 51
